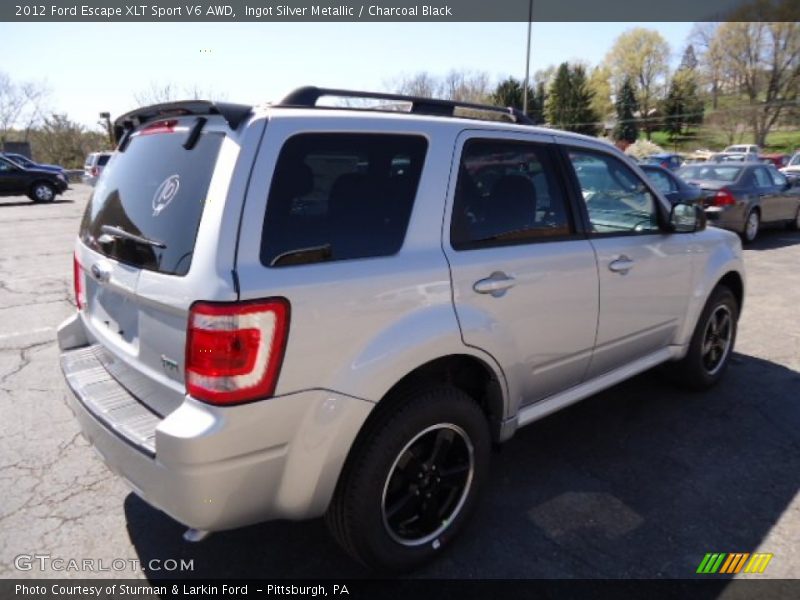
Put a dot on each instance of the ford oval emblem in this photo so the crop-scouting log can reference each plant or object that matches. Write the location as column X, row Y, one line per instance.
column 165, row 193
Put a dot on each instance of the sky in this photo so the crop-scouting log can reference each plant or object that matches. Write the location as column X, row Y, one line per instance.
column 94, row 67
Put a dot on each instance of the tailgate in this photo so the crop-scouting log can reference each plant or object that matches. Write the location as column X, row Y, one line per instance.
column 138, row 242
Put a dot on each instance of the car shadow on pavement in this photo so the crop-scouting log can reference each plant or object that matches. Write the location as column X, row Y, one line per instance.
column 639, row 481
column 32, row 203
column 772, row 239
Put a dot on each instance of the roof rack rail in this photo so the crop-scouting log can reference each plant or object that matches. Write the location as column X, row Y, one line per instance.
column 307, row 97
column 234, row 114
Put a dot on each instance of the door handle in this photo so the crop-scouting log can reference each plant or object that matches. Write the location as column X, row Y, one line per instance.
column 621, row 265
column 496, row 284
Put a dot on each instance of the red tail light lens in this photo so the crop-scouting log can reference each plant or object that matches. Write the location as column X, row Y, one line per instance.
column 78, row 282
column 234, row 351
column 160, row 127
column 95, row 171
column 724, row 198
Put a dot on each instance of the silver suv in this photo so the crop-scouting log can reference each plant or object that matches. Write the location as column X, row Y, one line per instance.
column 304, row 310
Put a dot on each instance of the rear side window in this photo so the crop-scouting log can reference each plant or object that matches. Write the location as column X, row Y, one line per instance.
column 155, row 190
column 102, row 160
column 507, row 193
column 338, row 196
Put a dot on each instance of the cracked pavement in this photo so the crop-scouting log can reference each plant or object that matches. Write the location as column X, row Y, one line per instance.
column 639, row 481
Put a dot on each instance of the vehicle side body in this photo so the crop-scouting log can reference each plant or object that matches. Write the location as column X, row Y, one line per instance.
column 758, row 189
column 361, row 330
column 16, row 180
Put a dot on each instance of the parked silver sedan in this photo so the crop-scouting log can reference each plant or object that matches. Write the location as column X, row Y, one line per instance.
column 744, row 197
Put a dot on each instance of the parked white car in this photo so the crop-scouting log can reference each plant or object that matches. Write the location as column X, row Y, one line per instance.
column 93, row 166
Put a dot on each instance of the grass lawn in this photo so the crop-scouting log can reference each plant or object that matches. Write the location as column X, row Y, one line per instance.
column 707, row 138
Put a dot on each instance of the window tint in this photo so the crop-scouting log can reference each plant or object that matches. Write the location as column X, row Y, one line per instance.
column 616, row 199
column 507, row 193
column 341, row 196
column 5, row 166
column 762, row 178
column 156, row 189
column 661, row 181
column 102, row 160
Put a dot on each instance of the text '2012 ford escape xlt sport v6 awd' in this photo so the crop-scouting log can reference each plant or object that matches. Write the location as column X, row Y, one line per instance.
column 299, row 311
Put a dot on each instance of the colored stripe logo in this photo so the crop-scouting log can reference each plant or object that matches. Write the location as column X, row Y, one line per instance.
column 732, row 563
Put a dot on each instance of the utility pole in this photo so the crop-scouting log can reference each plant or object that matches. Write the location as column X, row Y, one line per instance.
column 527, row 60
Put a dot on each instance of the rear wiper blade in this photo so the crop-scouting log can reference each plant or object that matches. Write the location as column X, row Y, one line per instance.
column 110, row 231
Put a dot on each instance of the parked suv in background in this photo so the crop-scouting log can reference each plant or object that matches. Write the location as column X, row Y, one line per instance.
column 94, row 165
column 299, row 311
column 39, row 185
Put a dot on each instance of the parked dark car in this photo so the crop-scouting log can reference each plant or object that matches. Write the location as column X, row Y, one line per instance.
column 27, row 163
column 744, row 196
column 669, row 161
column 39, row 185
column 673, row 187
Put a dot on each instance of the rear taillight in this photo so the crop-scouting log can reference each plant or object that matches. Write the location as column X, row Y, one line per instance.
column 95, row 171
column 234, row 351
column 78, row 283
column 723, row 198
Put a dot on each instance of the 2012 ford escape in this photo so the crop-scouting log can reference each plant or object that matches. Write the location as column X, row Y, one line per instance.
column 301, row 310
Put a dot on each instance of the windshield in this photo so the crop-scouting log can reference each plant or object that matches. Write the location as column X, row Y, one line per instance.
column 155, row 192
column 710, row 173
column 795, row 160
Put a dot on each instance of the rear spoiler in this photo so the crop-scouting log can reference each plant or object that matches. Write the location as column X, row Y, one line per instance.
column 234, row 114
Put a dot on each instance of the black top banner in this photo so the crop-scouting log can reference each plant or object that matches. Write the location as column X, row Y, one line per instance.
column 399, row 10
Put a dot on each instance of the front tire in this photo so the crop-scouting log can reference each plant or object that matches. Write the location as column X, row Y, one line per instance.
column 42, row 192
column 412, row 479
column 712, row 343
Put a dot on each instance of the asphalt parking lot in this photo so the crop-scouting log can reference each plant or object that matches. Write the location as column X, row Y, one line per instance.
column 639, row 481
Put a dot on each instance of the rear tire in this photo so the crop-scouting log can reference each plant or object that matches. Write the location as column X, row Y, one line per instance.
column 412, row 479
column 42, row 192
column 712, row 343
column 794, row 225
column 752, row 225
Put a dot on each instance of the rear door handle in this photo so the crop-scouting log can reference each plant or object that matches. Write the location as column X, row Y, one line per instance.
column 621, row 265
column 496, row 284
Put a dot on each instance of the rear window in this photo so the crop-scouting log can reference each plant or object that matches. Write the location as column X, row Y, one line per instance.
column 155, row 190
column 338, row 196
column 710, row 173
column 103, row 159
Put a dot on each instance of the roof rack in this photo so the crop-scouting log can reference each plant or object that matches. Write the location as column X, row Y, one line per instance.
column 307, row 97
column 234, row 114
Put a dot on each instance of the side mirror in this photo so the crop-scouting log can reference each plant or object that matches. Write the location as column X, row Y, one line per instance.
column 686, row 218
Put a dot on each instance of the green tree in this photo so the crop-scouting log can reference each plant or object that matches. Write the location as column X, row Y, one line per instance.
column 626, row 106
column 641, row 55
column 682, row 106
column 569, row 102
column 600, row 84
column 510, row 92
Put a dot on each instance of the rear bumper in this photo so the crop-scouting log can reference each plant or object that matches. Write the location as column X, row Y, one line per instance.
column 217, row 468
